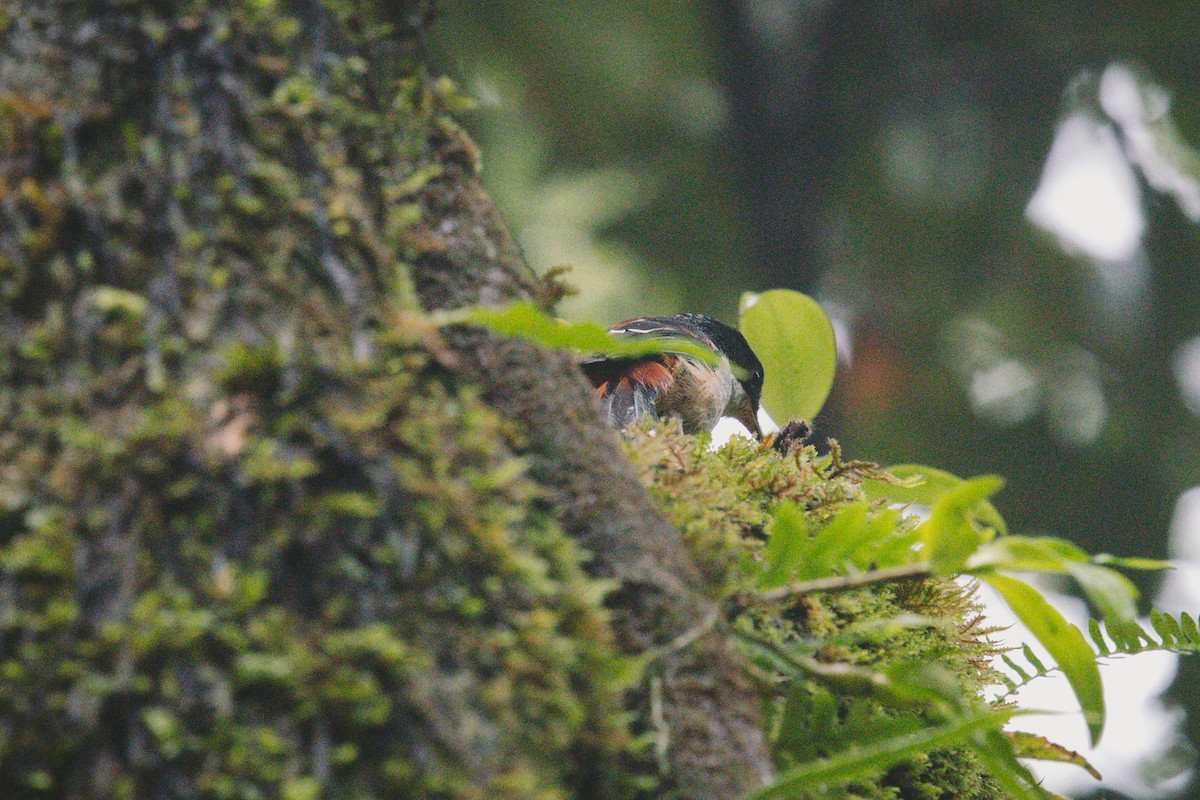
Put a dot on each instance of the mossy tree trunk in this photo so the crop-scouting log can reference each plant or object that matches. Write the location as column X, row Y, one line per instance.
column 264, row 531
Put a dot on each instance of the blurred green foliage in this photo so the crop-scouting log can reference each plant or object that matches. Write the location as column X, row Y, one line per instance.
column 882, row 157
column 613, row 145
column 601, row 123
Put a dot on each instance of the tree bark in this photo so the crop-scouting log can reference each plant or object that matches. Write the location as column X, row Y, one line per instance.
column 257, row 534
column 716, row 743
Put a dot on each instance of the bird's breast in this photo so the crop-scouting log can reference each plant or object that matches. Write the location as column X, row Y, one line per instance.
column 698, row 395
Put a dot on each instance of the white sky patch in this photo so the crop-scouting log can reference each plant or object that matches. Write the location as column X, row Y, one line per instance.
column 1185, row 363
column 1181, row 586
column 1006, row 391
column 728, row 426
column 1185, row 527
column 841, row 318
column 1088, row 196
column 1142, row 110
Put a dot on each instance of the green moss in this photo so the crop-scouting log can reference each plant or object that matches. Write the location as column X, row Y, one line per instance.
column 254, row 542
column 252, row 650
column 721, row 499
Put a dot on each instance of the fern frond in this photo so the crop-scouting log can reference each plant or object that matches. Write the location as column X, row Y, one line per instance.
column 1165, row 633
column 1111, row 638
column 1032, row 669
column 872, row 757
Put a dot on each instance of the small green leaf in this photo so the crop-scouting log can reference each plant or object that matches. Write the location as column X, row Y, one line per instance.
column 787, row 540
column 1062, row 640
column 917, row 484
column 857, row 539
column 110, row 299
column 1098, row 637
column 1166, row 627
column 1188, row 625
column 302, row 788
column 950, row 536
column 352, row 504
column 1033, row 659
column 831, row 547
column 1132, row 563
column 1015, row 667
column 792, row 337
column 995, row 751
column 923, row 485
column 805, row 710
column 1030, row 745
column 860, row 539
column 167, row 730
column 1029, row 554
column 1129, row 636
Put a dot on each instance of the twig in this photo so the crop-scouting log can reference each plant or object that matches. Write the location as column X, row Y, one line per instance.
column 849, row 677
column 685, row 639
column 842, row 583
column 658, row 719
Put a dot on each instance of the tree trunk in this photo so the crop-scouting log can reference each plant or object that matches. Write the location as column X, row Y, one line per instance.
column 264, row 531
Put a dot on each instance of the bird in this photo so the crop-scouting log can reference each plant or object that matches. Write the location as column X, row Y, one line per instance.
column 673, row 384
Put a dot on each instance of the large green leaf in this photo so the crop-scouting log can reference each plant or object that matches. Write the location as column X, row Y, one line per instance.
column 793, row 338
column 527, row 321
column 1110, row 592
column 874, row 757
column 1065, row 643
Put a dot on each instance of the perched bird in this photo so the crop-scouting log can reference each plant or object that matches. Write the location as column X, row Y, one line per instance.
column 667, row 384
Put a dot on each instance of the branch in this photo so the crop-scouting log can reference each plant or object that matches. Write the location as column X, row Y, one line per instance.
column 843, row 583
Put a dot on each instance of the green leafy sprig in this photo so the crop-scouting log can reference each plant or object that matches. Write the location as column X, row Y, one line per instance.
column 878, row 539
column 526, row 321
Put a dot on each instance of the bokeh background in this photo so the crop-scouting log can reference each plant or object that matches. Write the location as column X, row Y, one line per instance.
column 997, row 202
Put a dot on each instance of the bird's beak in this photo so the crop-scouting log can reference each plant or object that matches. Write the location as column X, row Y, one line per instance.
column 749, row 417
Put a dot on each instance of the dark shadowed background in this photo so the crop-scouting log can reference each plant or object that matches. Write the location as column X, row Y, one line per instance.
column 997, row 202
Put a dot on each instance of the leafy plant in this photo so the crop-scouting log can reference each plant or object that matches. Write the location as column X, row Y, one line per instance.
column 962, row 534
column 871, row 541
column 851, row 529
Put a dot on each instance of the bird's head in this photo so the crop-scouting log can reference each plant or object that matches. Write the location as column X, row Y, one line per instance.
column 746, row 368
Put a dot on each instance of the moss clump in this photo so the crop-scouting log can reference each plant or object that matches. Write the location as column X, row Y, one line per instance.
column 722, row 500
column 359, row 593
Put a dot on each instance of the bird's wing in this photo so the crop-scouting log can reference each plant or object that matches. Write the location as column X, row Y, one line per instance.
column 629, row 387
column 680, row 327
